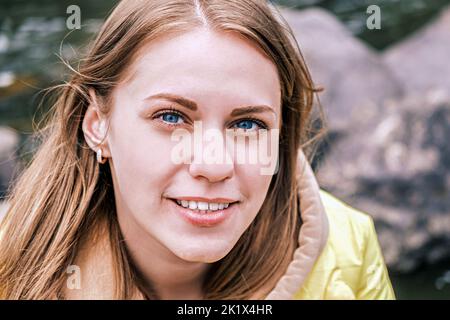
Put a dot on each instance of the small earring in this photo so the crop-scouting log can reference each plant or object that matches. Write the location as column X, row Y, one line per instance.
column 100, row 159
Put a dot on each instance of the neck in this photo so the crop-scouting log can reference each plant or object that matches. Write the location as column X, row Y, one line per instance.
column 171, row 277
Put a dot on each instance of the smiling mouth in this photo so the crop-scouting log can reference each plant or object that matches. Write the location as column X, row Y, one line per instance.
column 204, row 207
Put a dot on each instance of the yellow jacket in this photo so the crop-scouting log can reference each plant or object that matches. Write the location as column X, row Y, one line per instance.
column 339, row 256
column 351, row 265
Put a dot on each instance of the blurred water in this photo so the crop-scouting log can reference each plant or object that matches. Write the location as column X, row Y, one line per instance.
column 32, row 36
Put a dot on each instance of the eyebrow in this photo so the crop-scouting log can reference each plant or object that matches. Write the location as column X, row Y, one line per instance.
column 191, row 105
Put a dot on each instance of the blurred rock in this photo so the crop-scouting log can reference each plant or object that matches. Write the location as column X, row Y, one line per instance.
column 397, row 169
column 353, row 75
column 388, row 116
column 9, row 142
column 3, row 208
column 421, row 62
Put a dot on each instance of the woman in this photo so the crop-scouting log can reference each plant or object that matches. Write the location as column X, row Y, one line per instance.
column 106, row 209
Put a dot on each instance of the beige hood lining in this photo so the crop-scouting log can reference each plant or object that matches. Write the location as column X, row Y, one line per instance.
column 312, row 237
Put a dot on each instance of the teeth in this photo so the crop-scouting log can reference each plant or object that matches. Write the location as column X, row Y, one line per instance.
column 192, row 205
column 202, row 206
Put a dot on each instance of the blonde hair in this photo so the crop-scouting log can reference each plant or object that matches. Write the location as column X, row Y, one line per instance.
column 63, row 194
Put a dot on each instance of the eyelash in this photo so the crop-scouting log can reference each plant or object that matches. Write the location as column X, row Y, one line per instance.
column 169, row 110
column 172, row 110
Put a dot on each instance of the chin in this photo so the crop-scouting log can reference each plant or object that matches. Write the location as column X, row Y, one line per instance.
column 203, row 253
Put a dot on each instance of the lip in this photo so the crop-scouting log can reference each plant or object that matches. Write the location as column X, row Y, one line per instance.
column 201, row 199
column 196, row 218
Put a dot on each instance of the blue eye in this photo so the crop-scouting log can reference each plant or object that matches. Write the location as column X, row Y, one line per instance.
column 171, row 117
column 248, row 125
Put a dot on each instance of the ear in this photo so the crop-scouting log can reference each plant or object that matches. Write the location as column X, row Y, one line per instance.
column 94, row 127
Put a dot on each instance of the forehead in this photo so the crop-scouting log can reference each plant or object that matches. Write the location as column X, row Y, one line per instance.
column 204, row 64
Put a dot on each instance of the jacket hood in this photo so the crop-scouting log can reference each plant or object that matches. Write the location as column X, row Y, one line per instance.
column 312, row 237
column 95, row 256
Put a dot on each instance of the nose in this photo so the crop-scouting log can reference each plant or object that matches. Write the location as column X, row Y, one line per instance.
column 214, row 172
column 214, row 166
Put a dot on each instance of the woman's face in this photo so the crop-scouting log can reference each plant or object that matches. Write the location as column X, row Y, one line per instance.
column 198, row 76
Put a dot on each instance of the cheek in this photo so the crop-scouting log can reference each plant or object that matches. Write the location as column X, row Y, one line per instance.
column 254, row 186
column 141, row 160
column 255, row 164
